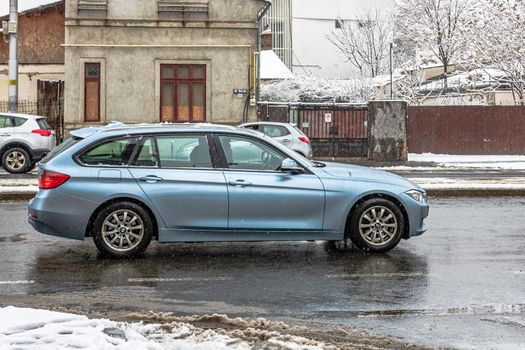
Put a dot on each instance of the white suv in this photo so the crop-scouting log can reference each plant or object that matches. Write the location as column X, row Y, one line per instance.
column 287, row 134
column 24, row 140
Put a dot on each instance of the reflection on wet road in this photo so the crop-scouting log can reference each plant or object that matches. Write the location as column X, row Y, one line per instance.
column 459, row 285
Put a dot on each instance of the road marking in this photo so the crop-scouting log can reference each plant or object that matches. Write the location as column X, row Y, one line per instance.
column 181, row 279
column 379, row 275
column 18, row 282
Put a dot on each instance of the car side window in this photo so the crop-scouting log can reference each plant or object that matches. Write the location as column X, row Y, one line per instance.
column 147, row 154
column 5, row 122
column 274, row 130
column 19, row 121
column 252, row 127
column 110, row 153
column 184, row 151
column 249, row 154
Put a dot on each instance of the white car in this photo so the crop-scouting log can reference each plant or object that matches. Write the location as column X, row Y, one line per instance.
column 287, row 134
column 24, row 140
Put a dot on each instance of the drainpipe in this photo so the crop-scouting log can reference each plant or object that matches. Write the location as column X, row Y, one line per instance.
column 260, row 16
column 13, row 62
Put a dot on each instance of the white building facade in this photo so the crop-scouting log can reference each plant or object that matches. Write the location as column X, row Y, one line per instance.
column 300, row 29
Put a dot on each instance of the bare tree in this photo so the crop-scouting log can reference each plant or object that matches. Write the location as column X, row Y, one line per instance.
column 499, row 43
column 365, row 42
column 434, row 25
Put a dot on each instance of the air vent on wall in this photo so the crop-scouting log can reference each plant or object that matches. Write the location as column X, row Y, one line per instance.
column 183, row 8
column 92, row 5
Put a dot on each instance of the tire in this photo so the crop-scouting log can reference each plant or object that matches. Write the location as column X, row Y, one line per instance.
column 16, row 160
column 31, row 166
column 377, row 225
column 116, row 230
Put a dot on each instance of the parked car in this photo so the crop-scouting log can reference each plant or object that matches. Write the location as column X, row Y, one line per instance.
column 127, row 185
column 24, row 140
column 287, row 134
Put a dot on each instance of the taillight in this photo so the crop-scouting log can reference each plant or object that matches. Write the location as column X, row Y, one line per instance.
column 42, row 132
column 305, row 139
column 49, row 180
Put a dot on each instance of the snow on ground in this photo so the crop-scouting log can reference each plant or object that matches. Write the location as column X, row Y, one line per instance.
column 471, row 161
column 32, row 329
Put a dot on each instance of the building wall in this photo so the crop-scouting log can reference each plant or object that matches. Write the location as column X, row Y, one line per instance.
column 312, row 52
column 40, row 34
column 130, row 75
column 28, row 75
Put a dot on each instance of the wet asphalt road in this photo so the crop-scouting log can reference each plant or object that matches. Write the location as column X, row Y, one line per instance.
column 461, row 285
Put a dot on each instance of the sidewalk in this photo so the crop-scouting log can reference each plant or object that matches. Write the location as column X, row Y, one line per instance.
column 440, row 175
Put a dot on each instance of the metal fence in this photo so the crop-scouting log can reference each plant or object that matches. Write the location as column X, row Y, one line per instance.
column 336, row 130
column 483, row 130
column 53, row 110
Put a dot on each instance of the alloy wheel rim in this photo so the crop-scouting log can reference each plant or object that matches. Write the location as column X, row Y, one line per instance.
column 378, row 225
column 15, row 160
column 122, row 230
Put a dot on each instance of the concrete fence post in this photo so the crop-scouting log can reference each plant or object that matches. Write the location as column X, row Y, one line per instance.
column 387, row 131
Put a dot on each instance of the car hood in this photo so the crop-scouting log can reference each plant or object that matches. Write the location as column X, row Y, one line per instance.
column 363, row 173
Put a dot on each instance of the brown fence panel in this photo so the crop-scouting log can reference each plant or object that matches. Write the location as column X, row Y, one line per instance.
column 50, row 104
column 481, row 130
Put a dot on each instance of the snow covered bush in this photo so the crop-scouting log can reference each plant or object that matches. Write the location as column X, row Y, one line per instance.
column 314, row 89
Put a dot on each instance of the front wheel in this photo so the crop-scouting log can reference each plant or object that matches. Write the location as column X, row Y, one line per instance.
column 123, row 230
column 377, row 225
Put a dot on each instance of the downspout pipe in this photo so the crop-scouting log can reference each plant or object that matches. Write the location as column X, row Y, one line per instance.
column 260, row 16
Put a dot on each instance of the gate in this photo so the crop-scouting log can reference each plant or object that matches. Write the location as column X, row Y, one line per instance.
column 50, row 104
column 335, row 131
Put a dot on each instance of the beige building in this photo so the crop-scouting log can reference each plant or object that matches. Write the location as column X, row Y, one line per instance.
column 161, row 60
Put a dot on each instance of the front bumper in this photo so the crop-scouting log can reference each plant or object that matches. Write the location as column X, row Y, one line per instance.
column 417, row 213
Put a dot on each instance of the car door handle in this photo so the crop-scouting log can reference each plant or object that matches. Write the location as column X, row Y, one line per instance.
column 241, row 183
column 287, row 140
column 5, row 134
column 151, row 178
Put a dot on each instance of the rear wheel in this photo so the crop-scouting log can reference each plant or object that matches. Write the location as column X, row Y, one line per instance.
column 16, row 160
column 123, row 229
column 377, row 225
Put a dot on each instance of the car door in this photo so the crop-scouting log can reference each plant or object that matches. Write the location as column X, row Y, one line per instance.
column 176, row 172
column 261, row 197
column 6, row 130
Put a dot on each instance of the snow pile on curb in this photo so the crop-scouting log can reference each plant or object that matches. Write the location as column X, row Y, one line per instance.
column 471, row 161
column 31, row 329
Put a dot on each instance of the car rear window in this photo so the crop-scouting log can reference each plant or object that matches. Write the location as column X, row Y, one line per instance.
column 42, row 124
column 60, row 148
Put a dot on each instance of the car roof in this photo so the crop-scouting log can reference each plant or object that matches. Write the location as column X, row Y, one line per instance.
column 116, row 129
column 20, row 115
column 269, row 123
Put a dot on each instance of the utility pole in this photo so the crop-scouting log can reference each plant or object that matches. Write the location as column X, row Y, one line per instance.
column 391, row 71
column 13, row 61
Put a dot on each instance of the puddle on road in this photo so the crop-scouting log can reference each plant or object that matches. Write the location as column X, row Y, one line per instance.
column 469, row 310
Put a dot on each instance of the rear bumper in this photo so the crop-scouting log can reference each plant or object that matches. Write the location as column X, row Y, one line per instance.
column 56, row 214
column 38, row 154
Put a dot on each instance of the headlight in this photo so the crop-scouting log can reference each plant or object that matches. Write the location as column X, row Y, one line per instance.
column 418, row 196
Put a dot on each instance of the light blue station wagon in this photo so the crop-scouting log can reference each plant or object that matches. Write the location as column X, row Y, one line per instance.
column 125, row 185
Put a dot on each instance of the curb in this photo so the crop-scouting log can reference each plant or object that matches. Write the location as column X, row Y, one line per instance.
column 16, row 196
column 478, row 192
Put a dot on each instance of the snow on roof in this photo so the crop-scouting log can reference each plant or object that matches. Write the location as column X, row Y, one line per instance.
column 474, row 79
column 272, row 67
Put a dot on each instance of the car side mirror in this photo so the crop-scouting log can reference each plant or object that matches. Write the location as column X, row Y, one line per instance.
column 290, row 166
